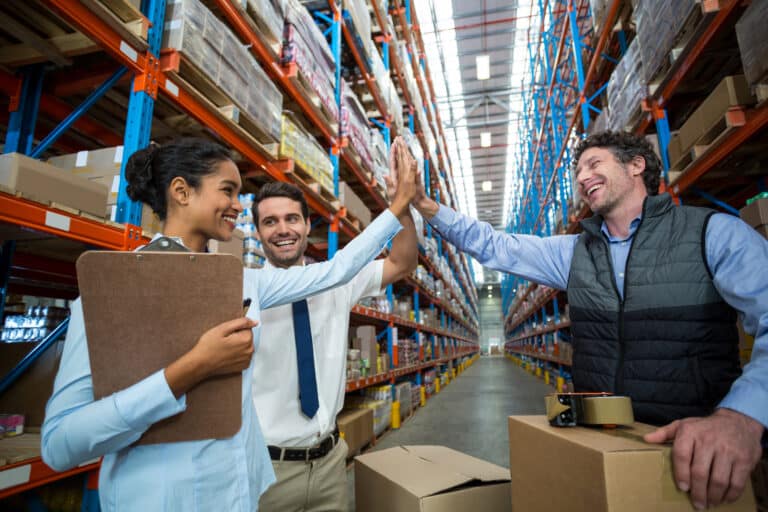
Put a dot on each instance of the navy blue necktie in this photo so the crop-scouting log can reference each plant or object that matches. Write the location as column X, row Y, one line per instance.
column 305, row 359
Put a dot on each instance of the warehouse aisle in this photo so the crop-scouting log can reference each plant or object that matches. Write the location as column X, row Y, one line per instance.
column 470, row 414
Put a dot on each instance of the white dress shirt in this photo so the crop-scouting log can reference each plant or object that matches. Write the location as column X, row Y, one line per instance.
column 276, row 377
column 215, row 474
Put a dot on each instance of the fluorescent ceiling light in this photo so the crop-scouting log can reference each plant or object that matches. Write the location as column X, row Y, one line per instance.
column 483, row 63
column 490, row 296
column 490, row 287
column 487, row 186
column 485, row 139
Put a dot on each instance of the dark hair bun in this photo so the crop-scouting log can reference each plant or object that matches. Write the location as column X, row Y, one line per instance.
column 139, row 174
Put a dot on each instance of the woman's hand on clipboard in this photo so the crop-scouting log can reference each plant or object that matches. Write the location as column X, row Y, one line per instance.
column 226, row 348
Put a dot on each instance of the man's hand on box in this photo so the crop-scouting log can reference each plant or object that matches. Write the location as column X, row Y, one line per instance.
column 713, row 457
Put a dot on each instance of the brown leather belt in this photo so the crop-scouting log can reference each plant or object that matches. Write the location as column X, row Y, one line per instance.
column 305, row 454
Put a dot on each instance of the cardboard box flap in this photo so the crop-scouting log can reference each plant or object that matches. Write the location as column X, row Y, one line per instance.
column 621, row 439
column 428, row 471
column 460, row 463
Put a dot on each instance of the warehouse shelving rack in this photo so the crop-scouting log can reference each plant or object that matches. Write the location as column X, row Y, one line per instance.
column 153, row 74
column 718, row 17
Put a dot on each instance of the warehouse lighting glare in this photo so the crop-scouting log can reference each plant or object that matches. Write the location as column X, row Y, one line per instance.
column 490, row 287
column 487, row 186
column 483, row 67
column 485, row 139
column 490, row 296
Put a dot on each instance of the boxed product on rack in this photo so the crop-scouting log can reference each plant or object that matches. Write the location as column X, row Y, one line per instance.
column 698, row 128
column 361, row 22
column 305, row 45
column 428, row 479
column 99, row 165
column 598, row 470
column 354, row 204
column 355, row 127
column 296, row 143
column 626, row 89
column 208, row 44
column 756, row 215
column 234, row 246
column 356, row 427
column 753, row 44
column 658, row 24
column 365, row 341
column 44, row 183
column 269, row 15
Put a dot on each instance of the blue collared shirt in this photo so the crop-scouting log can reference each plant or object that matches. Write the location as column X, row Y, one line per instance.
column 736, row 254
column 217, row 474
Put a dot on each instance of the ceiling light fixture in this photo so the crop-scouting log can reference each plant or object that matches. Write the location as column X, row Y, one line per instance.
column 487, row 186
column 485, row 139
column 483, row 63
column 490, row 287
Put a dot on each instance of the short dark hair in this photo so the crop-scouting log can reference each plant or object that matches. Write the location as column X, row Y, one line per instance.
column 280, row 189
column 625, row 147
column 150, row 171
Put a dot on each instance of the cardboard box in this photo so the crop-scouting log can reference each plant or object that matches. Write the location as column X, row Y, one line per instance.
column 428, row 479
column 45, row 183
column 730, row 92
column 354, row 204
column 356, row 426
column 756, row 213
column 29, row 394
column 674, row 150
column 594, row 470
column 100, row 166
column 234, row 246
column 365, row 341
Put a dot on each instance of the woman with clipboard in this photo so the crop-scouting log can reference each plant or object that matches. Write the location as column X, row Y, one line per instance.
column 193, row 185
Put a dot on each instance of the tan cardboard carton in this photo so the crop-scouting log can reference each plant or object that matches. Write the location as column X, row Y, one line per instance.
column 354, row 204
column 365, row 341
column 45, row 183
column 356, row 426
column 756, row 213
column 234, row 246
column 428, row 479
column 100, row 165
column 594, row 470
column 730, row 92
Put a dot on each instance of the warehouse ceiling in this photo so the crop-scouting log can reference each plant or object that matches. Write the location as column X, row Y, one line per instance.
column 455, row 34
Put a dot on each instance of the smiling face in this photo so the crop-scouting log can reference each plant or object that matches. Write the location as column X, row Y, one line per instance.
column 604, row 182
column 283, row 230
column 214, row 204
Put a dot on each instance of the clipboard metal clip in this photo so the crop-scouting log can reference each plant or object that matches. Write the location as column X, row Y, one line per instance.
column 164, row 244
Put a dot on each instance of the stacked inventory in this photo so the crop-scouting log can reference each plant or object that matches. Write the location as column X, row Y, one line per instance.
column 33, row 326
column 253, row 252
column 220, row 58
column 297, row 144
column 377, row 398
column 658, row 23
column 354, row 126
column 626, row 88
column 305, row 46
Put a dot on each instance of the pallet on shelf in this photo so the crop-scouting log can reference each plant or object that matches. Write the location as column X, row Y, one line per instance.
column 186, row 75
column 300, row 81
column 133, row 30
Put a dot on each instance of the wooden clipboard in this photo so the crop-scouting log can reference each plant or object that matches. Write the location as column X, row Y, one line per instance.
column 142, row 311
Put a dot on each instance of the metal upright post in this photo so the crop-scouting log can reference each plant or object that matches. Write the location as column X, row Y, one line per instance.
column 333, row 229
column 141, row 105
column 20, row 133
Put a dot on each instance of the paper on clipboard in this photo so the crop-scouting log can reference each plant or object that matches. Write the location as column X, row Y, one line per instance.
column 142, row 311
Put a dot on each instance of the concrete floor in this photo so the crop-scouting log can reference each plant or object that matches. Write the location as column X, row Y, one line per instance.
column 470, row 414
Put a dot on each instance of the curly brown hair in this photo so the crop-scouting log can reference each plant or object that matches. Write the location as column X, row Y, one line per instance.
column 625, row 147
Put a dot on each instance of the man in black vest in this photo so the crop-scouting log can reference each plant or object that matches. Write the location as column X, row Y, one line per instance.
column 654, row 291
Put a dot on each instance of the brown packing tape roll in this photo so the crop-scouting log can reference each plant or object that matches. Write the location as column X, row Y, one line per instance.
column 606, row 410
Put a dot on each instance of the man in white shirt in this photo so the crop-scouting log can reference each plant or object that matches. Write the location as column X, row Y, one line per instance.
column 298, row 401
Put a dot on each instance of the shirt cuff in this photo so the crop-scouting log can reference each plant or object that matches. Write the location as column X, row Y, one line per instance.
column 389, row 223
column 749, row 399
column 443, row 219
column 148, row 401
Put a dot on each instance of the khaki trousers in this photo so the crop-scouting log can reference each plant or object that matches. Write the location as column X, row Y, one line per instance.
column 318, row 485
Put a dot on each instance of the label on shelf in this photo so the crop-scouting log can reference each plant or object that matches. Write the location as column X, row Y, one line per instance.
column 57, row 221
column 172, row 87
column 15, row 476
column 128, row 51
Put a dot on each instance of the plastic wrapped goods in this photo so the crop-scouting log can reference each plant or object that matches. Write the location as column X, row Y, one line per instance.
column 208, row 44
column 753, row 44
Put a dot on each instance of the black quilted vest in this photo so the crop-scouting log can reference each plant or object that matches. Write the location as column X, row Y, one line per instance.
column 671, row 344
